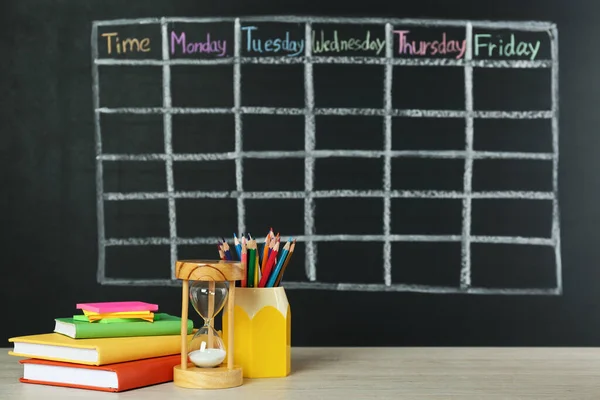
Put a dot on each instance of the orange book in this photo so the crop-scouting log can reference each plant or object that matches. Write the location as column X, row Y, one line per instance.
column 108, row 378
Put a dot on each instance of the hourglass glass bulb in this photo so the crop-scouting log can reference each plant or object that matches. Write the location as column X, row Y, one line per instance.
column 207, row 348
column 208, row 297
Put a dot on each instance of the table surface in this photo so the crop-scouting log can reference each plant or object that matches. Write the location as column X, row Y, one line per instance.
column 379, row 373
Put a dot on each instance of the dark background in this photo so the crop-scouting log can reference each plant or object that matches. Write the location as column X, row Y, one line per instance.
column 48, row 207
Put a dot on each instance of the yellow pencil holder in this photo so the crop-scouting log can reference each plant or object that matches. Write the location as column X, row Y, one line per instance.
column 262, row 332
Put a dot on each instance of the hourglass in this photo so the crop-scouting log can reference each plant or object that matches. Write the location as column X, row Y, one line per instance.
column 208, row 298
column 212, row 285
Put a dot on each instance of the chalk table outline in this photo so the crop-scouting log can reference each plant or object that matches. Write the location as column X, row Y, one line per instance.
column 310, row 154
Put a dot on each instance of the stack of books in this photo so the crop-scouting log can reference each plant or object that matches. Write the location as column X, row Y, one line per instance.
column 111, row 346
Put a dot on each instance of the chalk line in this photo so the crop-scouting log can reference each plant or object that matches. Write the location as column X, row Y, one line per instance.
column 309, row 162
column 319, row 194
column 555, row 147
column 450, row 154
column 539, row 26
column 168, row 133
column 387, row 163
column 414, row 113
column 341, row 60
column 170, row 62
column 101, row 269
column 358, row 287
column 237, row 104
column 164, row 110
column 145, row 241
column 465, row 271
column 129, row 21
column 514, row 240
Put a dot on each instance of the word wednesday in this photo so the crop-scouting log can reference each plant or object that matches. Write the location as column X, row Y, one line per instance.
column 322, row 45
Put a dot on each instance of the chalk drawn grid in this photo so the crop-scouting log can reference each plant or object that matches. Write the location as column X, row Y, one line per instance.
column 309, row 154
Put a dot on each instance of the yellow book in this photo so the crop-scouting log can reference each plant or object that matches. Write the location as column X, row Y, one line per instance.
column 97, row 351
column 120, row 313
column 94, row 316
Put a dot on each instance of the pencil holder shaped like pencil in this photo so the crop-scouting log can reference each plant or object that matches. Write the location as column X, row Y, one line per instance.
column 262, row 332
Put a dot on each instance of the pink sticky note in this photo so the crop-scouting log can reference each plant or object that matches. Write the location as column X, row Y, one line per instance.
column 117, row 306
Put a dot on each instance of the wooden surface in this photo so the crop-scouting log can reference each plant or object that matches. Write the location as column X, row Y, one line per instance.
column 380, row 373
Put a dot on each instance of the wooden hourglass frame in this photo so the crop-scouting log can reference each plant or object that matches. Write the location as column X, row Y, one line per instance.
column 225, row 375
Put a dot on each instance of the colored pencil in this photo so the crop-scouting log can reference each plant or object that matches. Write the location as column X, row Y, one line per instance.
column 288, row 257
column 244, row 259
column 221, row 253
column 226, row 250
column 277, row 265
column 251, row 262
column 264, row 267
column 269, row 265
column 274, row 240
column 256, row 272
column 265, row 252
column 238, row 246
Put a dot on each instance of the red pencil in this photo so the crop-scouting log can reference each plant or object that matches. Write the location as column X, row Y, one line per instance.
column 244, row 261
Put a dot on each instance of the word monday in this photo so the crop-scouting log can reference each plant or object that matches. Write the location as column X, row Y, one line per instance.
column 293, row 44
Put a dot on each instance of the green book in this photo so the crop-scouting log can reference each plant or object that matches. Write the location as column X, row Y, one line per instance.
column 164, row 324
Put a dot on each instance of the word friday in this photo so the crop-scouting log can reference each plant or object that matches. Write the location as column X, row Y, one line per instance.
column 293, row 44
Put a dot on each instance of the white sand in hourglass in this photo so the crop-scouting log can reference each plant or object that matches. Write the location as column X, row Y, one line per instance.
column 207, row 358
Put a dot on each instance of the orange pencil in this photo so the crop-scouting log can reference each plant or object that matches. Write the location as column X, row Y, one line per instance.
column 265, row 254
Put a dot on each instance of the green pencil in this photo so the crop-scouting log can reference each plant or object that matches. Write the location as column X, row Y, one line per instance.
column 251, row 263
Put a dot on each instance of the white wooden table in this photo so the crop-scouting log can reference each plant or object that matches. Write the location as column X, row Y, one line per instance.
column 379, row 373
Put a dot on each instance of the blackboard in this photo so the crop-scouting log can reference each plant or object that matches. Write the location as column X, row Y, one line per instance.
column 434, row 161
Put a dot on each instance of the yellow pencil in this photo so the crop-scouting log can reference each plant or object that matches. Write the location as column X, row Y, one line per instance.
column 256, row 273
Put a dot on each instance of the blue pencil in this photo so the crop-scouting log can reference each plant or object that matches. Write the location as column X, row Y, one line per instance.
column 238, row 246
